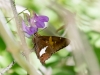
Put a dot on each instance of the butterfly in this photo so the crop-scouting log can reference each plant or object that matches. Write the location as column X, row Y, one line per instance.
column 45, row 46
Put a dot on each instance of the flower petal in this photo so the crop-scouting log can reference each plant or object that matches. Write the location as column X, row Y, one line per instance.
column 41, row 18
column 29, row 30
column 27, row 35
column 32, row 30
column 40, row 24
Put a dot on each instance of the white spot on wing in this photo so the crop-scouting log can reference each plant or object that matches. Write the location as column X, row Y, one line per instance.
column 43, row 51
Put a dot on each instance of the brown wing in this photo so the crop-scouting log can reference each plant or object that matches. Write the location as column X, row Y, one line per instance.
column 39, row 44
column 51, row 43
column 58, row 42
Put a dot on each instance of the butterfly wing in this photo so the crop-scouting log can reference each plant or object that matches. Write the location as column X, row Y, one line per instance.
column 45, row 46
column 57, row 42
column 41, row 45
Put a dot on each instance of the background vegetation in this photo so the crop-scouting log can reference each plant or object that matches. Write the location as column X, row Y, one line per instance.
column 78, row 20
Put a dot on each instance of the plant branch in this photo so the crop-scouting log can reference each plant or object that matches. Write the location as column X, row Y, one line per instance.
column 14, row 47
column 7, row 68
column 19, row 30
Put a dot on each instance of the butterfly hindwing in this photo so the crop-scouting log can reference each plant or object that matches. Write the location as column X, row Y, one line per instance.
column 39, row 46
column 45, row 46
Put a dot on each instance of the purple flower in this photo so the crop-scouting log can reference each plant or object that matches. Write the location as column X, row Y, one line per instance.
column 29, row 30
column 39, row 20
column 33, row 24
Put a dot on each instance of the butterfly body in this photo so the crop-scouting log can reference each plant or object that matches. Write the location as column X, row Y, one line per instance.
column 45, row 46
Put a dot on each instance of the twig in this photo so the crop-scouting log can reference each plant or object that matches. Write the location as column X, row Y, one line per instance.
column 7, row 68
column 14, row 47
column 14, row 17
column 11, row 43
column 19, row 30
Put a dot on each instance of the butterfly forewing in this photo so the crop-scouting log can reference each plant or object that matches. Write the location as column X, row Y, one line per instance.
column 49, row 45
column 58, row 42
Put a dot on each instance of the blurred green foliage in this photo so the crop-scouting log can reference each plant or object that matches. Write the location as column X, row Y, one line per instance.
column 87, row 12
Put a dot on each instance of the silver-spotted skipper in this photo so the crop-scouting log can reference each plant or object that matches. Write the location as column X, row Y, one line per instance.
column 45, row 46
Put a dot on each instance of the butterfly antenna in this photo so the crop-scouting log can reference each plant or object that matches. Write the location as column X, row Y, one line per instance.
column 18, row 14
column 42, row 29
column 62, row 27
